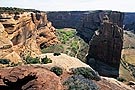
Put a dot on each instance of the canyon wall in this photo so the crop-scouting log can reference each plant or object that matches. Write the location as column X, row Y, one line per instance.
column 85, row 22
column 24, row 34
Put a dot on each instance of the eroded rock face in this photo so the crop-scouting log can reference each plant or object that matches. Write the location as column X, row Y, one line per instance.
column 29, row 78
column 25, row 34
column 105, row 48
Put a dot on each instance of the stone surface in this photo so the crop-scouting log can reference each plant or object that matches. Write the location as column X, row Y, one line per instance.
column 112, row 84
column 25, row 35
column 106, row 46
column 29, row 78
column 64, row 61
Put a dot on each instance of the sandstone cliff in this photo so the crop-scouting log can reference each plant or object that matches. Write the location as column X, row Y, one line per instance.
column 106, row 45
column 24, row 34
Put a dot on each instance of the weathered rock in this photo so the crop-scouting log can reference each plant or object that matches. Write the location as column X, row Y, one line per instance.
column 29, row 78
column 25, row 34
column 112, row 84
column 106, row 46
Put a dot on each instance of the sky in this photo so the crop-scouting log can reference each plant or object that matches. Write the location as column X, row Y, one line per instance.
column 72, row 5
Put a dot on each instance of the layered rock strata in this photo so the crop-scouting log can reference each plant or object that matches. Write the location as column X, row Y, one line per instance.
column 25, row 34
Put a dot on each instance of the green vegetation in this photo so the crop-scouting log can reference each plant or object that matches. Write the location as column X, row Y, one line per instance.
column 87, row 73
column 31, row 60
column 65, row 35
column 57, row 54
column 4, row 61
column 71, row 44
column 57, row 70
column 46, row 60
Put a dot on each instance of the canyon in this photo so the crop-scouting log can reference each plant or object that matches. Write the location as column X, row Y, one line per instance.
column 27, row 33
column 104, row 32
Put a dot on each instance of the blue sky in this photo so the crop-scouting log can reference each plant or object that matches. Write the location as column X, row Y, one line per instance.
column 71, row 5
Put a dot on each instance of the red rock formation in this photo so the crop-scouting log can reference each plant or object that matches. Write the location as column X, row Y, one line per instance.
column 29, row 78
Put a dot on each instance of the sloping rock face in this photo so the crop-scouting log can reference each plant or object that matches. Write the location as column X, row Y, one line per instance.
column 105, row 47
column 112, row 84
column 29, row 78
column 86, row 22
column 25, row 34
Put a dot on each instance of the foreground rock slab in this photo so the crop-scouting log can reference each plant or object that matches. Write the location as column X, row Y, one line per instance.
column 29, row 78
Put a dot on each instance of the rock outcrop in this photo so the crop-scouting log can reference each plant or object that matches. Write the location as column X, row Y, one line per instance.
column 29, row 78
column 23, row 34
column 106, row 45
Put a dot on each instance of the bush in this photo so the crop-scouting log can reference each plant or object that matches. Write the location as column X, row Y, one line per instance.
column 87, row 73
column 4, row 61
column 57, row 70
column 57, row 54
column 46, row 60
column 31, row 60
column 79, row 82
column 121, row 79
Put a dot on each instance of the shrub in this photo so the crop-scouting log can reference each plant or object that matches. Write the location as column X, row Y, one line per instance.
column 79, row 82
column 87, row 73
column 57, row 54
column 31, row 60
column 4, row 61
column 46, row 60
column 121, row 79
column 57, row 70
